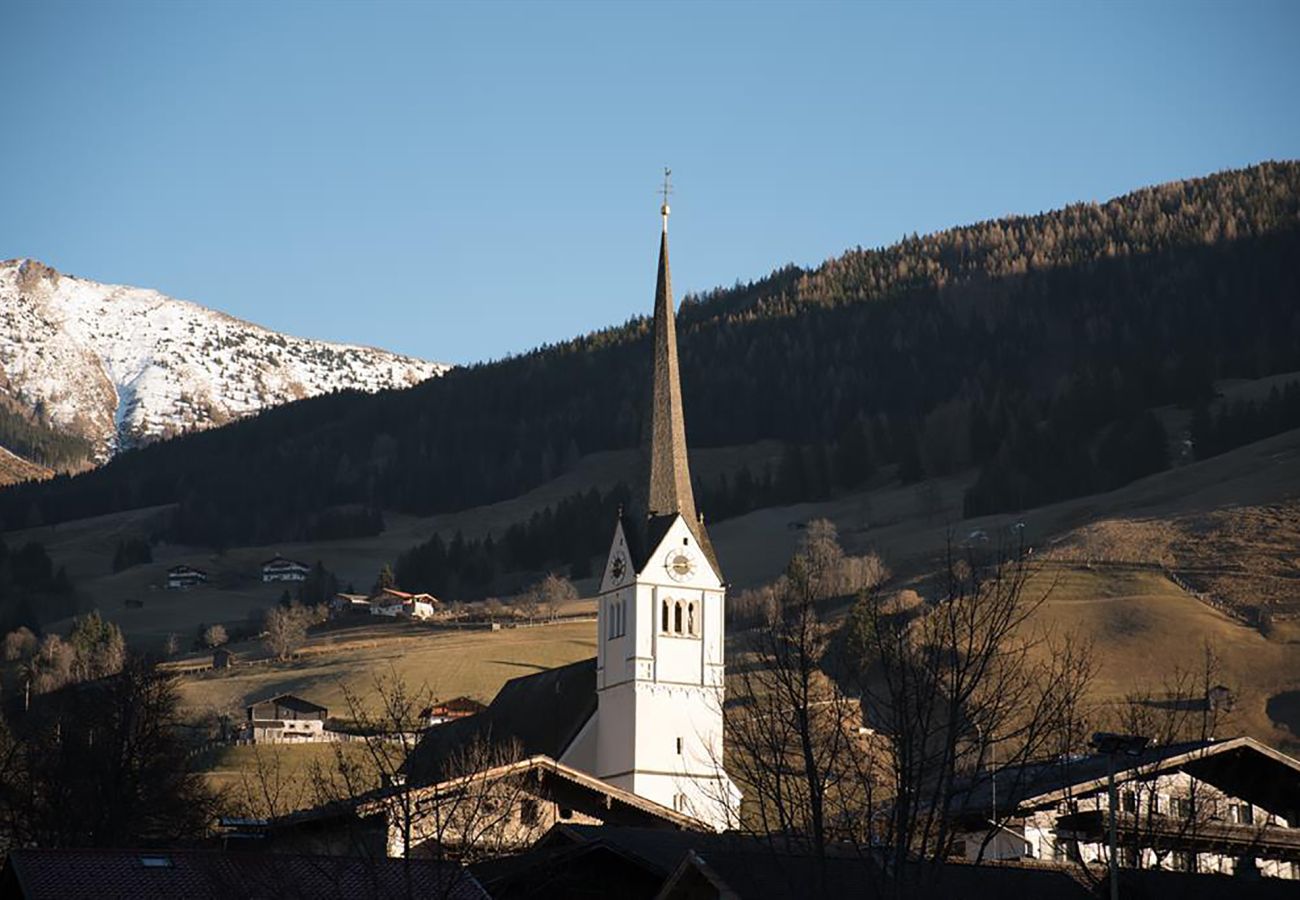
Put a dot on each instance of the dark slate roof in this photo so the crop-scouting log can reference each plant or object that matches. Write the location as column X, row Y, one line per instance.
column 664, row 489
column 1242, row 766
column 291, row 701
column 755, row 867
column 543, row 712
column 154, row 874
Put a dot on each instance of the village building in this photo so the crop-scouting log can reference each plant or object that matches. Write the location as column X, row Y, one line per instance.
column 183, row 577
column 502, row 807
column 286, row 719
column 449, row 710
column 350, row 605
column 222, row 658
column 394, row 603
column 645, row 715
column 579, row 860
column 1218, row 806
column 277, row 568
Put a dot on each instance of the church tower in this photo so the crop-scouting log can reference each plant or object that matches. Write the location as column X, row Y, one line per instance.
column 659, row 663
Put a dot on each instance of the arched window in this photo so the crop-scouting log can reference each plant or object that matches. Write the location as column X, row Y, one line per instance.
column 690, row 619
column 677, row 618
column 665, row 625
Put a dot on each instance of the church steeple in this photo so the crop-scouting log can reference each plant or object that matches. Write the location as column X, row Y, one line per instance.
column 668, row 479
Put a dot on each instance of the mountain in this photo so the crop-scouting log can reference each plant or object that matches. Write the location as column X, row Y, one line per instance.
column 93, row 369
column 1030, row 349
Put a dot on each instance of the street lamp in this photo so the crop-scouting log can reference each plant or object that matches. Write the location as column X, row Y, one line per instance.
column 1112, row 745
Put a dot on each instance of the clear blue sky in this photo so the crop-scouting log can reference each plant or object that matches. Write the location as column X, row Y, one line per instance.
column 461, row 182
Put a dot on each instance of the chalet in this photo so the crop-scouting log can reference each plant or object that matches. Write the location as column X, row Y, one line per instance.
column 183, row 577
column 94, row 874
column 286, row 719
column 633, row 863
column 280, row 569
column 350, row 604
column 501, row 807
column 394, row 603
column 1215, row 806
column 449, row 710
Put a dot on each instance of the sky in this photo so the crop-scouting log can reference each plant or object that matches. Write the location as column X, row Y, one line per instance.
column 463, row 182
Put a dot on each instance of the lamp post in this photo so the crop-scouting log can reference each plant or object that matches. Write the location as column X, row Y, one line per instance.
column 1112, row 745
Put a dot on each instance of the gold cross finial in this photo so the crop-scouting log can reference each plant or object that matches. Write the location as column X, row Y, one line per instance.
column 666, row 190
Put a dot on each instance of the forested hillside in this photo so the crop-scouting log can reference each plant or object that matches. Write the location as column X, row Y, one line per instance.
column 1030, row 347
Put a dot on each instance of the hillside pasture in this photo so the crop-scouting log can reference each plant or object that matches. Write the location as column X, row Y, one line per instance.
column 442, row 663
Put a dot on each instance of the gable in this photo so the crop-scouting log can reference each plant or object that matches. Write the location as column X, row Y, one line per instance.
column 671, row 541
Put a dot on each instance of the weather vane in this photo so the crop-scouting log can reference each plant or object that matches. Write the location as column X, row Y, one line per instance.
column 666, row 190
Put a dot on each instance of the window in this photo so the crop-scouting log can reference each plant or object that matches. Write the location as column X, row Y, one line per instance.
column 1181, row 807
column 679, row 802
column 1241, row 814
column 1184, row 861
column 1128, row 857
column 1128, row 801
column 528, row 811
column 677, row 617
column 690, row 619
column 679, row 746
column 566, row 813
column 664, row 629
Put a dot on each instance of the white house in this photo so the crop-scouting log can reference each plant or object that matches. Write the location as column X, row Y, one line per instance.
column 280, row 569
column 393, row 603
column 182, row 577
column 286, row 719
column 1228, row 806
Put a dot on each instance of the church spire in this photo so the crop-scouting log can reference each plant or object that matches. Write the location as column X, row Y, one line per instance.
column 668, row 485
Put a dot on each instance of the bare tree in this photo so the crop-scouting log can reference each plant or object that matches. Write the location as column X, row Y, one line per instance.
column 19, row 644
column 552, row 593
column 214, row 636
column 959, row 685
column 286, row 630
column 937, row 691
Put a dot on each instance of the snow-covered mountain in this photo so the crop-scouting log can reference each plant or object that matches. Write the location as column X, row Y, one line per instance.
column 122, row 366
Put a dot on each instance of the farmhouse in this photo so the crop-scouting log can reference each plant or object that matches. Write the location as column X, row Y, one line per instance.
column 183, row 577
column 280, row 569
column 503, row 806
column 350, row 604
column 286, row 719
column 448, row 710
column 1225, row 806
column 393, row 603
column 645, row 715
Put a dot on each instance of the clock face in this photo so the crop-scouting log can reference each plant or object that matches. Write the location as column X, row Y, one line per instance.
column 680, row 564
column 618, row 568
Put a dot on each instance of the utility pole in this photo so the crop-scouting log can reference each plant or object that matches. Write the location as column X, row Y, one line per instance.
column 1112, row 745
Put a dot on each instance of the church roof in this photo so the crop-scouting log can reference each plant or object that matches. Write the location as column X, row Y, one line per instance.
column 664, row 490
column 543, row 712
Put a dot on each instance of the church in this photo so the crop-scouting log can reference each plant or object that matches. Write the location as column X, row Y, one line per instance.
column 644, row 716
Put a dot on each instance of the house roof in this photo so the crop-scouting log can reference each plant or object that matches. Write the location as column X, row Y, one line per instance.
column 182, row 569
column 541, row 766
column 543, row 712
column 281, row 560
column 1242, row 766
column 105, row 874
column 734, row 865
column 290, row 701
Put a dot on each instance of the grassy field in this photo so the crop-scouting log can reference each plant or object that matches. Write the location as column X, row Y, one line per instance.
column 273, row 779
column 1143, row 628
column 445, row 664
